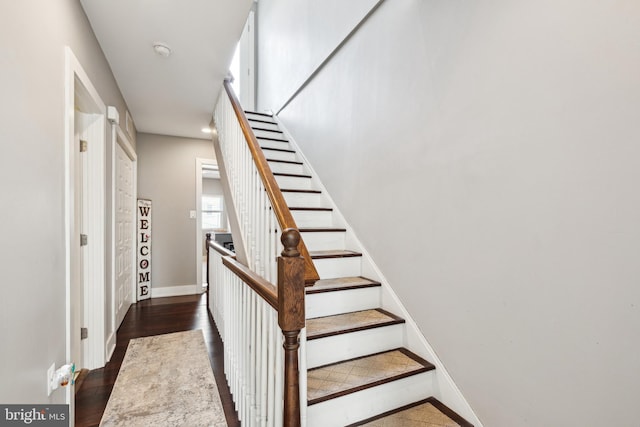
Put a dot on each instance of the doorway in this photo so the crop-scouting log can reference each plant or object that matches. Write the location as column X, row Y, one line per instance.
column 210, row 214
column 85, row 127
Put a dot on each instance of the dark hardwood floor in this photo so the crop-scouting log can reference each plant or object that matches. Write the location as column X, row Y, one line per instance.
column 154, row 317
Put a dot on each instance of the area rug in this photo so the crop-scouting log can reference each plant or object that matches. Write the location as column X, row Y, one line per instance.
column 165, row 380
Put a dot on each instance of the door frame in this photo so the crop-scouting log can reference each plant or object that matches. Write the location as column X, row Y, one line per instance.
column 119, row 137
column 200, row 162
column 79, row 89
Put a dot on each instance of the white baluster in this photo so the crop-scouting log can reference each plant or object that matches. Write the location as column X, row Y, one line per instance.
column 279, row 373
column 302, row 366
column 271, row 363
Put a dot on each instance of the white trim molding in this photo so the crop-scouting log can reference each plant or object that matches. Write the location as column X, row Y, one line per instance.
column 80, row 91
column 174, row 291
column 200, row 162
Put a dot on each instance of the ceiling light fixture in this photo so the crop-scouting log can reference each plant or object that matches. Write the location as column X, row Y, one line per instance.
column 162, row 49
column 206, row 130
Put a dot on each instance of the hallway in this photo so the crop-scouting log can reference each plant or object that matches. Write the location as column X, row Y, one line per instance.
column 153, row 317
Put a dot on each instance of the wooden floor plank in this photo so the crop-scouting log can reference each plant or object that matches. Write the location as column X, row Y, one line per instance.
column 154, row 317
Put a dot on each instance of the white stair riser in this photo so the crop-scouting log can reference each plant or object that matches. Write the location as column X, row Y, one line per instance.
column 331, row 303
column 313, row 218
column 332, row 268
column 280, row 155
column 294, row 183
column 323, row 351
column 277, row 167
column 305, row 200
column 266, row 143
column 323, row 240
column 363, row 404
column 262, row 125
column 267, row 134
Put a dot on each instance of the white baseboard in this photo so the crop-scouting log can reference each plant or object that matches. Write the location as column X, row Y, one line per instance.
column 173, row 291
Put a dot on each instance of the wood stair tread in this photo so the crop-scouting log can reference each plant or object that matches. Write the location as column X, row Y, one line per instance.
column 294, row 175
column 295, row 190
column 350, row 376
column 341, row 284
column 260, row 121
column 321, row 327
column 285, row 150
column 321, row 229
column 292, row 162
column 425, row 413
column 258, row 114
column 268, row 138
column 333, row 254
column 267, row 130
column 298, row 208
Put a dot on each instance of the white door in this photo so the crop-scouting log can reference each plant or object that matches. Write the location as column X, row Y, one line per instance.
column 125, row 208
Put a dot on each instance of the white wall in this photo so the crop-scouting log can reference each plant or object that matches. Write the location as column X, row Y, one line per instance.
column 33, row 35
column 318, row 27
column 505, row 135
column 167, row 176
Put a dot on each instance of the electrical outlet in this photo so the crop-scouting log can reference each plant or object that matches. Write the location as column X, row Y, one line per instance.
column 192, row 214
column 50, row 373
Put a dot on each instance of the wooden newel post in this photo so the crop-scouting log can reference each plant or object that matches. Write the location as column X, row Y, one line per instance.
column 291, row 318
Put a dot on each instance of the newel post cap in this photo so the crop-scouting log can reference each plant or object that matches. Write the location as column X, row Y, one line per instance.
column 290, row 239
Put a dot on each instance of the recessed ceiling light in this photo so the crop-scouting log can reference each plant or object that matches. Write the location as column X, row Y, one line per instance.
column 206, row 130
column 162, row 49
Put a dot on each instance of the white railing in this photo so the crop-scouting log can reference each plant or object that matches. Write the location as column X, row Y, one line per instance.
column 256, row 219
column 253, row 354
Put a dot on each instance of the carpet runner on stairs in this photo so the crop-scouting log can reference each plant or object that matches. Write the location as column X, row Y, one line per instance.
column 338, row 379
column 321, row 327
column 426, row 413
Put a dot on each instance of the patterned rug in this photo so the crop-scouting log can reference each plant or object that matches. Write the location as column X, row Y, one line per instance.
column 165, row 380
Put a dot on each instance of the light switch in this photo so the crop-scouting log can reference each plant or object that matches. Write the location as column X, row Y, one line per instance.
column 192, row 214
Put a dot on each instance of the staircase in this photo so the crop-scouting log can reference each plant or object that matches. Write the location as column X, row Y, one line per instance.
column 359, row 371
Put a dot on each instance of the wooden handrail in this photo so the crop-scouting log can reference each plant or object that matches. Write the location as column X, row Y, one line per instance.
column 220, row 249
column 288, row 301
column 280, row 208
column 262, row 287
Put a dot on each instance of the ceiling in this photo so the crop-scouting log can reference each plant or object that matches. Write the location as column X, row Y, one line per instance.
column 173, row 95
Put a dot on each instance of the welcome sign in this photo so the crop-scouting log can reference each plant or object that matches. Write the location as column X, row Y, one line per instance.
column 144, row 249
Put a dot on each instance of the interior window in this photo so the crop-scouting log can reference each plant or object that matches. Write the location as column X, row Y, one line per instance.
column 211, row 212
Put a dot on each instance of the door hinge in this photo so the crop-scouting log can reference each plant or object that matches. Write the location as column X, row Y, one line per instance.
column 83, row 145
column 84, row 240
column 84, row 333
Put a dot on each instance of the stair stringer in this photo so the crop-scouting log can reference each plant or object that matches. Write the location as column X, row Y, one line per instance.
column 443, row 386
column 230, row 204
